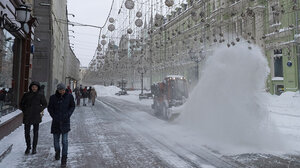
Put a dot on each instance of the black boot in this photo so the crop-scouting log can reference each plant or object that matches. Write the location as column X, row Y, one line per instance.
column 34, row 150
column 57, row 155
column 27, row 151
column 63, row 161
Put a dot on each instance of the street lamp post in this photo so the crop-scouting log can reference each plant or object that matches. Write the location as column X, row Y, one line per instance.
column 196, row 59
column 142, row 71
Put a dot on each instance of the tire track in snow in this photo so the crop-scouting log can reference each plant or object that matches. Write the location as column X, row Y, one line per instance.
column 206, row 157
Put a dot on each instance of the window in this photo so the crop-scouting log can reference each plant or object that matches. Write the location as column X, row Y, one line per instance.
column 6, row 72
column 275, row 13
column 278, row 68
column 277, row 51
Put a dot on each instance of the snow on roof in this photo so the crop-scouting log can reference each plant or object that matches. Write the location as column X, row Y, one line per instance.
column 174, row 76
column 277, row 79
column 288, row 42
column 279, row 31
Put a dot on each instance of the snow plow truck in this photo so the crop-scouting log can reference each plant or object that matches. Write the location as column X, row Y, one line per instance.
column 171, row 92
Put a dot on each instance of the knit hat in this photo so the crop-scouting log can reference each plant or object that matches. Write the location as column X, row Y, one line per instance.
column 61, row 86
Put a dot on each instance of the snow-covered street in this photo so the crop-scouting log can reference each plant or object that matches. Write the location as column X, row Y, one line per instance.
column 125, row 133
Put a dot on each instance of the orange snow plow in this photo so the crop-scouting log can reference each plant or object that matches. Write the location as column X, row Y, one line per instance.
column 172, row 92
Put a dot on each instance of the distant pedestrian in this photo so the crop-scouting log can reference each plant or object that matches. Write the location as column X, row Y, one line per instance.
column 61, row 107
column 77, row 96
column 89, row 94
column 69, row 90
column 84, row 95
column 2, row 98
column 93, row 95
column 42, row 90
column 32, row 104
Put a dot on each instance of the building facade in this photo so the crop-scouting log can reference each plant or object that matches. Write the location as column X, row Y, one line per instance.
column 179, row 42
column 54, row 61
column 195, row 28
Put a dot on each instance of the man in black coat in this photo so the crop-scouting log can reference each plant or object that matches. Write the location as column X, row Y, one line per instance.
column 32, row 104
column 61, row 107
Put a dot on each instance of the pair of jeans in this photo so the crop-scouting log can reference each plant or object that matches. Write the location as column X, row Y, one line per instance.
column 35, row 135
column 64, row 142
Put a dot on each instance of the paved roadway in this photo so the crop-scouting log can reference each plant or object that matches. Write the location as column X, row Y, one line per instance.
column 114, row 134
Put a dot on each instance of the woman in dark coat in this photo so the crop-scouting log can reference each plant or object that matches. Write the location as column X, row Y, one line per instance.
column 32, row 104
column 61, row 107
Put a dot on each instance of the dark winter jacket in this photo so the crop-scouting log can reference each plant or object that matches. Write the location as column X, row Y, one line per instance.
column 2, row 95
column 85, row 93
column 61, row 108
column 32, row 104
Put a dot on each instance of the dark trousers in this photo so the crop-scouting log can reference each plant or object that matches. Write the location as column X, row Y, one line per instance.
column 35, row 135
column 78, row 101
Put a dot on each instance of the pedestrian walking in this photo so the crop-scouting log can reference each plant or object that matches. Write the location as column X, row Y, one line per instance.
column 77, row 95
column 42, row 89
column 84, row 95
column 61, row 107
column 2, row 98
column 89, row 94
column 32, row 104
column 69, row 90
column 93, row 95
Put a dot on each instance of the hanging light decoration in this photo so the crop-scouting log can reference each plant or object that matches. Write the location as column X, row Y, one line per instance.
column 99, row 47
column 129, row 31
column 111, row 27
column 132, row 41
column 111, row 20
column 139, row 14
column 195, row 15
column 103, row 36
column 103, row 42
column 158, row 20
column 129, row 4
column 139, row 22
column 169, row 3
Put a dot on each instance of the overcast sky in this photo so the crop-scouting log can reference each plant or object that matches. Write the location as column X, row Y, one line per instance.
column 93, row 12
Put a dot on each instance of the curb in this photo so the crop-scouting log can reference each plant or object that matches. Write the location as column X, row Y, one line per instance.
column 6, row 152
column 9, row 126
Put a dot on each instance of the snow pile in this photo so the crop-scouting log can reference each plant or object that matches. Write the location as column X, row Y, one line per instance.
column 226, row 106
column 285, row 112
column 133, row 96
column 106, row 90
column 9, row 116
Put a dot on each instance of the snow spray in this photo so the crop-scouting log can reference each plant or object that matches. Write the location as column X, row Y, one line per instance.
column 225, row 107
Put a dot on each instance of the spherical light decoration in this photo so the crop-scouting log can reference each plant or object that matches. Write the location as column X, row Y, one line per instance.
column 132, row 41
column 159, row 19
column 111, row 20
column 195, row 15
column 103, row 36
column 112, row 43
column 129, row 31
column 169, row 3
column 139, row 14
column 139, row 22
column 129, row 4
column 103, row 42
column 111, row 27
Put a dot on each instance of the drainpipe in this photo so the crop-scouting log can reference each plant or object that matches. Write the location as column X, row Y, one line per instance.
column 297, row 45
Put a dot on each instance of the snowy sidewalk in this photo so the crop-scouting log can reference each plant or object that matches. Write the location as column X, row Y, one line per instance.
column 96, row 140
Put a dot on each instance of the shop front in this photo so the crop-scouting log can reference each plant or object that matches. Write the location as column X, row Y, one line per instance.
column 16, row 34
